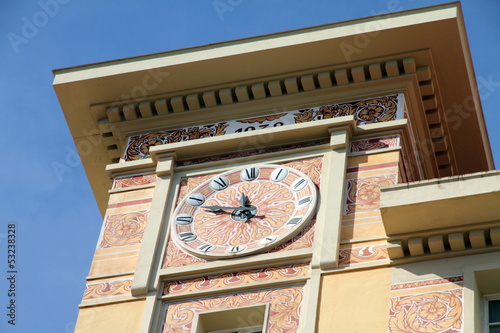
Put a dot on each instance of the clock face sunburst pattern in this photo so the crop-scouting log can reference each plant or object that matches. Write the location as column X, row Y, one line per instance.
column 244, row 211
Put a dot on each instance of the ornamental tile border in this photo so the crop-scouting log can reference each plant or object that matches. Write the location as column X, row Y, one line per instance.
column 233, row 279
column 366, row 111
column 132, row 181
column 432, row 306
column 363, row 194
column 375, row 143
column 363, row 255
column 284, row 309
column 107, row 290
column 123, row 229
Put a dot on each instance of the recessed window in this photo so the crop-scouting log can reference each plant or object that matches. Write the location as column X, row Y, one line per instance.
column 494, row 315
column 256, row 329
column 249, row 319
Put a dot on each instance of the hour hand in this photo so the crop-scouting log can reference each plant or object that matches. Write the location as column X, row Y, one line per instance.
column 215, row 208
column 243, row 200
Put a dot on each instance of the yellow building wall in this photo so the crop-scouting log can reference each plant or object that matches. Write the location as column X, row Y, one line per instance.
column 355, row 301
column 113, row 318
column 107, row 304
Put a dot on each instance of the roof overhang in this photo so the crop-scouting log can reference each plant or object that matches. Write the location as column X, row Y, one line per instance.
column 445, row 203
column 84, row 89
column 442, row 217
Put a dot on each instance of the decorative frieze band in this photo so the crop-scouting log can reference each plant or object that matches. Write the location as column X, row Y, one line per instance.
column 366, row 111
column 274, row 87
column 375, row 143
column 236, row 278
column 432, row 306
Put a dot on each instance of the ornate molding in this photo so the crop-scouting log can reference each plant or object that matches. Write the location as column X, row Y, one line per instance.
column 366, row 111
column 417, row 64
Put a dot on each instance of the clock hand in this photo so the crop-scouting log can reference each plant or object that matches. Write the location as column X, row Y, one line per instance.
column 243, row 200
column 217, row 207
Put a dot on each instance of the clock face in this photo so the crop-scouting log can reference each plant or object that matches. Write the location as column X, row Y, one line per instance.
column 244, row 211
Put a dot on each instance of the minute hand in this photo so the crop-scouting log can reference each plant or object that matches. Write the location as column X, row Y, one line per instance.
column 216, row 208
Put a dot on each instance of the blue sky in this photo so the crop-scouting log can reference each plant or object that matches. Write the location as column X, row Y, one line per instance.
column 56, row 218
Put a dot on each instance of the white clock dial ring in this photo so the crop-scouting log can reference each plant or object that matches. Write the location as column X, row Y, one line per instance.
column 244, row 211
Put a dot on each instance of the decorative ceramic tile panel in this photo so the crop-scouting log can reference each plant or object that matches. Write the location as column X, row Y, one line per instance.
column 175, row 257
column 303, row 240
column 363, row 194
column 235, row 279
column 365, row 254
column 123, row 229
column 132, row 181
column 367, row 111
column 375, row 143
column 361, row 220
column 105, row 291
column 284, row 314
column 426, row 283
column 431, row 306
column 311, row 167
column 258, row 150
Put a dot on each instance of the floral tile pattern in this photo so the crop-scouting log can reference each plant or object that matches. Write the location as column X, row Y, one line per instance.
column 374, row 143
column 284, row 314
column 175, row 257
column 366, row 111
column 138, row 180
column 255, row 152
column 431, row 306
column 363, row 194
column 123, row 229
column 106, row 291
column 366, row 254
column 233, row 279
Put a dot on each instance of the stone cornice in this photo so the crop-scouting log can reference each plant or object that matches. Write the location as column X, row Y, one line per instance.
column 442, row 217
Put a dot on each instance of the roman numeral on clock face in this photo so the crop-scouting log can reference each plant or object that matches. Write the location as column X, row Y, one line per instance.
column 299, row 184
column 294, row 221
column 207, row 248
column 187, row 236
column 219, row 183
column 249, row 173
column 279, row 174
column 183, row 219
column 267, row 240
column 195, row 199
column 304, row 201
column 236, row 248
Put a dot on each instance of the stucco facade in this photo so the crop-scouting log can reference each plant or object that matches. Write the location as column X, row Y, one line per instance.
column 396, row 229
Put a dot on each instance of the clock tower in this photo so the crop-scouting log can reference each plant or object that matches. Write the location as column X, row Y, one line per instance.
column 240, row 182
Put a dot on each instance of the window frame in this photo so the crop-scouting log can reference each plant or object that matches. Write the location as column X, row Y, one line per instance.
column 262, row 309
column 486, row 320
column 250, row 329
